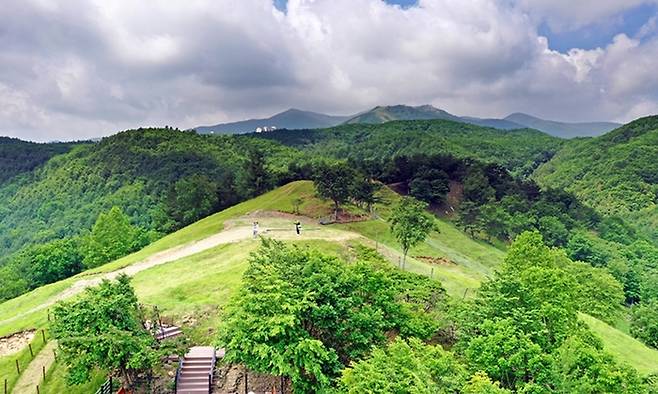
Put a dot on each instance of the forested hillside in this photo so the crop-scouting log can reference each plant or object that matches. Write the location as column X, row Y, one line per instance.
column 519, row 150
column 146, row 182
column 18, row 156
column 616, row 173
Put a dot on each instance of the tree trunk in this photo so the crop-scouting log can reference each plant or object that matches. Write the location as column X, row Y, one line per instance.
column 404, row 258
column 336, row 210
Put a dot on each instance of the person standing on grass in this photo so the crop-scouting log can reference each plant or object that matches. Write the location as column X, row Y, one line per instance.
column 298, row 228
column 255, row 230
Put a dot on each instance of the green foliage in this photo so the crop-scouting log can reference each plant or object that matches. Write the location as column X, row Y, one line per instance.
column 334, row 181
column 192, row 198
column 430, row 185
column 528, row 311
column 615, row 173
column 405, row 367
column 480, row 383
column 507, row 355
column 644, row 323
column 581, row 366
column 513, row 149
column 104, row 329
column 18, row 157
column 305, row 315
column 112, row 236
column 410, row 224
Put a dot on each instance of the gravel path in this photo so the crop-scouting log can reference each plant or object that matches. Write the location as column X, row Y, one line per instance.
column 230, row 235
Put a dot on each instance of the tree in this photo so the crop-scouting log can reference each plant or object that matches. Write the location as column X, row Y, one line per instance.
column 405, row 367
column 305, row 315
column 506, row 354
column 410, row 224
column 644, row 322
column 430, row 185
column 334, row 181
column 258, row 177
column 363, row 192
column 112, row 236
column 192, row 198
column 53, row 261
column 481, row 384
column 580, row 365
column 104, row 329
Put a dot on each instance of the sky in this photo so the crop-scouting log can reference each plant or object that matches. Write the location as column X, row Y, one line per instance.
column 80, row 69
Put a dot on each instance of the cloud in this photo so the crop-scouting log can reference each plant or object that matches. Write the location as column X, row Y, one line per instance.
column 568, row 14
column 85, row 68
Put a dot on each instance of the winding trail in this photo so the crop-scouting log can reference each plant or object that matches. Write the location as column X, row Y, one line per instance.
column 33, row 374
column 230, row 235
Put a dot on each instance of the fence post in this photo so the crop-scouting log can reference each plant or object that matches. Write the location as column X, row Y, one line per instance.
column 6, row 387
column 38, row 389
column 29, row 345
column 432, row 273
column 43, row 335
column 18, row 368
column 55, row 354
column 43, row 372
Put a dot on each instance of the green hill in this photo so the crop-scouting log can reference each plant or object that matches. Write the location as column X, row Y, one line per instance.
column 616, row 173
column 194, row 289
column 518, row 150
column 18, row 157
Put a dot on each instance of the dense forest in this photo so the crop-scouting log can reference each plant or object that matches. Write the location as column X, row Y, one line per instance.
column 616, row 173
column 520, row 151
column 17, row 157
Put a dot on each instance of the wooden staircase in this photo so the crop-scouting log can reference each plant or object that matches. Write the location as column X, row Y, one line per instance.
column 195, row 371
column 165, row 332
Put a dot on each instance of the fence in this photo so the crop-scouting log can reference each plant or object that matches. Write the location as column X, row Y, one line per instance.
column 106, row 387
column 22, row 361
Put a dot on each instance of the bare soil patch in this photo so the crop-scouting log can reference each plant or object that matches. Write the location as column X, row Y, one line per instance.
column 14, row 343
column 436, row 260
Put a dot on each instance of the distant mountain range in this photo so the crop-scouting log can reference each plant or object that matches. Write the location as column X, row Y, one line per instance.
column 298, row 119
column 290, row 119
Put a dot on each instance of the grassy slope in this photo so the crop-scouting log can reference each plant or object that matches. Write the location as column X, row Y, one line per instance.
column 624, row 347
column 197, row 286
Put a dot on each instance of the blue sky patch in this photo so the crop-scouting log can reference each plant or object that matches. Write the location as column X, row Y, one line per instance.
column 600, row 34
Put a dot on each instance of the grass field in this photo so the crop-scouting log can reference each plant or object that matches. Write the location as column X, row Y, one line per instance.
column 194, row 289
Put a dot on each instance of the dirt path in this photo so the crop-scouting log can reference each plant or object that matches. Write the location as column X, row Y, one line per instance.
column 230, row 235
column 33, row 374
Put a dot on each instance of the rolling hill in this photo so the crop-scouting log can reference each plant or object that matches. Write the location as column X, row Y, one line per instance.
column 615, row 173
column 518, row 150
column 562, row 129
column 290, row 119
column 17, row 157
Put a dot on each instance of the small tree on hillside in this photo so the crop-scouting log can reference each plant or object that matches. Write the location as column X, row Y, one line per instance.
column 363, row 192
column 104, row 329
column 410, row 224
column 334, row 181
column 111, row 237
